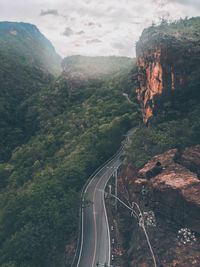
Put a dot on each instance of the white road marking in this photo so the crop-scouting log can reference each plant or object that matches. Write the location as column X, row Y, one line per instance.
column 115, row 157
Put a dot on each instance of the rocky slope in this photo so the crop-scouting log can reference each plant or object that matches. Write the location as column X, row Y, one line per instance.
column 161, row 173
column 172, row 192
column 167, row 57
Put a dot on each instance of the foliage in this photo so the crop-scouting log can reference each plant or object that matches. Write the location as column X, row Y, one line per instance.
column 183, row 28
column 24, row 43
column 73, row 127
column 163, row 135
column 17, row 83
column 28, row 61
column 97, row 67
column 176, row 122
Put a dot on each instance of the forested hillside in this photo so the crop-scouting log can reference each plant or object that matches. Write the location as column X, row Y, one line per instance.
column 28, row 63
column 68, row 127
column 96, row 67
column 24, row 43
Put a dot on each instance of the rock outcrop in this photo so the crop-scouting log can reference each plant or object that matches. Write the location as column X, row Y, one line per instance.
column 190, row 158
column 174, row 193
column 166, row 59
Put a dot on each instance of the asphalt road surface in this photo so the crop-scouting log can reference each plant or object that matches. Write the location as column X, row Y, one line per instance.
column 95, row 233
column 95, row 245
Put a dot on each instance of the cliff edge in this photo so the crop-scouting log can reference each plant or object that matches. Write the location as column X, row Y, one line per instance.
column 167, row 59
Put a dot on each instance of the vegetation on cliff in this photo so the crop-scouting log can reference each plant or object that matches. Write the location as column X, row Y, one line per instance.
column 168, row 58
column 168, row 65
column 175, row 122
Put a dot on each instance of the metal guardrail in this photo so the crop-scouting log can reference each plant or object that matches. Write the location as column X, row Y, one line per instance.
column 116, row 155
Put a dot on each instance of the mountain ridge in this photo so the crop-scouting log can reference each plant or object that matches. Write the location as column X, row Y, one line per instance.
column 28, row 45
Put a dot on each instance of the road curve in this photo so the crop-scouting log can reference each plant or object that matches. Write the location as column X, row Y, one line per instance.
column 95, row 241
column 95, row 234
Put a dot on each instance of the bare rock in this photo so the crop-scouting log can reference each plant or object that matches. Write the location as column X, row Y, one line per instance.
column 190, row 158
column 175, row 191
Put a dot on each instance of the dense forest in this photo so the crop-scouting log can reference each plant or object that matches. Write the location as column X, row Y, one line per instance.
column 54, row 133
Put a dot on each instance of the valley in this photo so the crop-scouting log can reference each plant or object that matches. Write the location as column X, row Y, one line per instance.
column 61, row 119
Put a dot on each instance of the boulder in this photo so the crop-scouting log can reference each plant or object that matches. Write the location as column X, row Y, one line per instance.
column 174, row 191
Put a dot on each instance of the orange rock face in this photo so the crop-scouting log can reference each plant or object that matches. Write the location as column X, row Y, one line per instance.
column 173, row 194
column 150, row 79
column 159, row 69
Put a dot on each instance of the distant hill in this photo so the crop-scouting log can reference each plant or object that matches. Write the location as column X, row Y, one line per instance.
column 28, row 62
column 23, row 42
column 83, row 67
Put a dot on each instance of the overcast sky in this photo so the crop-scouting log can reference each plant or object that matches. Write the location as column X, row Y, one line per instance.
column 95, row 27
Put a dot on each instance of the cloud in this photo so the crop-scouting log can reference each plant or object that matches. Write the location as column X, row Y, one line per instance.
column 163, row 14
column 90, row 24
column 80, row 32
column 88, row 1
column 110, row 27
column 73, row 19
column 93, row 41
column 125, row 49
column 136, row 22
column 68, row 32
column 53, row 12
column 163, row 3
column 194, row 3
column 118, row 45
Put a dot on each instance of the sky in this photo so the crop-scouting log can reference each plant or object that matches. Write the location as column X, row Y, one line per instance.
column 95, row 27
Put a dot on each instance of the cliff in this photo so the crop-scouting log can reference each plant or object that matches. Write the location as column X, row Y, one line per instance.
column 174, row 191
column 169, row 186
column 162, row 174
column 167, row 55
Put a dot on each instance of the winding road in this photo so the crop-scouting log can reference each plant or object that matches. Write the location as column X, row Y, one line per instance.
column 95, row 233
